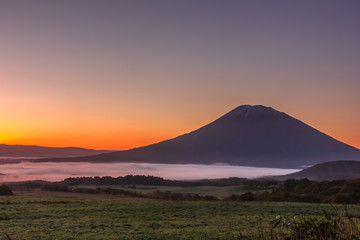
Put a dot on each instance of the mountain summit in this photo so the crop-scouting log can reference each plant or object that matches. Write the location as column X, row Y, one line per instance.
column 256, row 136
column 248, row 111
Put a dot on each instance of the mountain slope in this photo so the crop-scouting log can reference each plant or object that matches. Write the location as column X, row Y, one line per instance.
column 248, row 135
column 38, row 151
column 327, row 171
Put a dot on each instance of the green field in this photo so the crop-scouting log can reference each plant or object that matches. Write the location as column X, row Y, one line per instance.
column 219, row 192
column 51, row 215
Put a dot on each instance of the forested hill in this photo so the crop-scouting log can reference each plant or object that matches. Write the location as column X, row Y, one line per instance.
column 327, row 171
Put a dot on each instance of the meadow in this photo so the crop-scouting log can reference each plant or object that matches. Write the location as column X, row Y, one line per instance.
column 57, row 215
column 219, row 192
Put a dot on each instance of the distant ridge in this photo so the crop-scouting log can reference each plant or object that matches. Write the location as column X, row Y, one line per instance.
column 19, row 151
column 255, row 136
column 327, row 171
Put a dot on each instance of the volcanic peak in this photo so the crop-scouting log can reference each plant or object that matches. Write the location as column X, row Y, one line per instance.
column 253, row 111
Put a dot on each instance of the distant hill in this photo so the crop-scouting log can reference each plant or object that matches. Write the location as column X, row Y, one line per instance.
column 327, row 171
column 28, row 151
column 256, row 136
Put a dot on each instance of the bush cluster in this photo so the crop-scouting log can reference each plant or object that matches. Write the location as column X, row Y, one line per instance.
column 339, row 227
column 5, row 190
column 55, row 187
column 304, row 190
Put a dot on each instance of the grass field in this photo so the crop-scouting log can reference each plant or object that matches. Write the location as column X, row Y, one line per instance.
column 220, row 192
column 50, row 215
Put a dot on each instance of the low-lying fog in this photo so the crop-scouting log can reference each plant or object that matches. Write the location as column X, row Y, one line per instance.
column 59, row 171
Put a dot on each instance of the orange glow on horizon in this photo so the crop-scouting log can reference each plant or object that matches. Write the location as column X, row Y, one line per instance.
column 100, row 133
column 35, row 122
column 114, row 142
column 92, row 141
column 106, row 144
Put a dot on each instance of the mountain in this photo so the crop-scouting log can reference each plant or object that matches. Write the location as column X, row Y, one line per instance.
column 24, row 151
column 255, row 136
column 327, row 171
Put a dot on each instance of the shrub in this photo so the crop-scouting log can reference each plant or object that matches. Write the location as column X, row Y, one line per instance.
column 5, row 190
column 341, row 198
column 55, row 187
column 340, row 227
column 248, row 196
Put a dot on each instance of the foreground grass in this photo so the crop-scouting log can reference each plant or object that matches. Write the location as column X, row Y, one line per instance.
column 39, row 215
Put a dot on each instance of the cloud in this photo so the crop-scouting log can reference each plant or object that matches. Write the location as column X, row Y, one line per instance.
column 59, row 171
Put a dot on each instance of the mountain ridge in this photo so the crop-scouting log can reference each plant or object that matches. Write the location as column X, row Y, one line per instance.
column 18, row 151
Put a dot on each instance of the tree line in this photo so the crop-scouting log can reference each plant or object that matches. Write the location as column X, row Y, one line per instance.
column 159, row 181
column 304, row 190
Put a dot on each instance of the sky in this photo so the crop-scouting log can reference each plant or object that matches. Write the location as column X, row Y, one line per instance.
column 123, row 74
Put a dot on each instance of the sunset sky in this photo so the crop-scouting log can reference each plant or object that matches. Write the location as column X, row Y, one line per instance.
column 122, row 74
